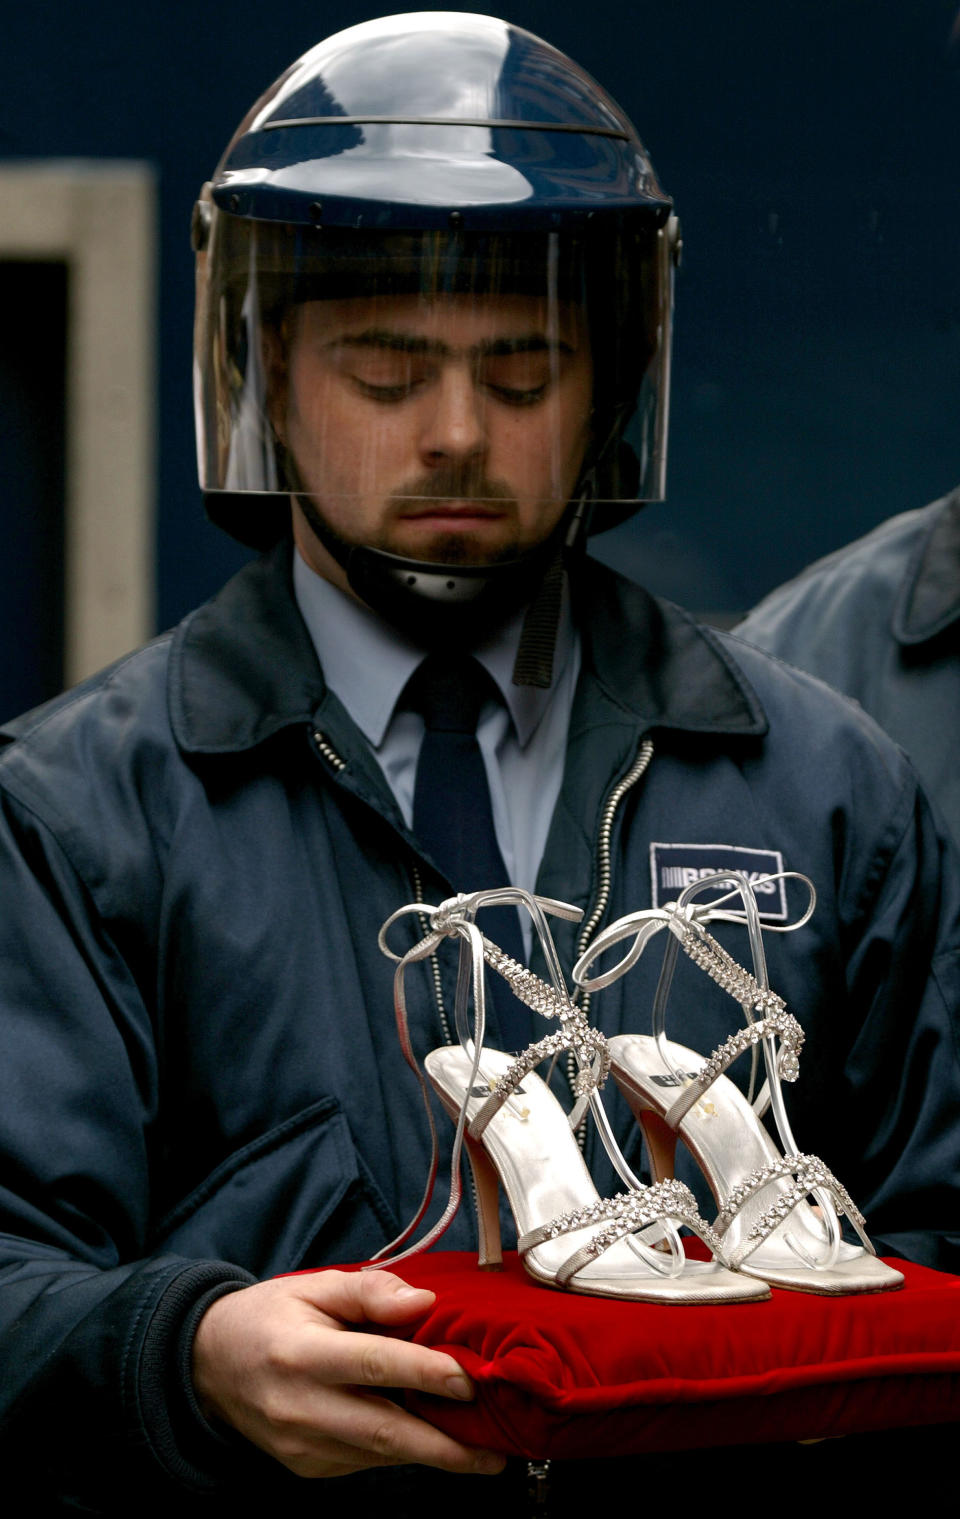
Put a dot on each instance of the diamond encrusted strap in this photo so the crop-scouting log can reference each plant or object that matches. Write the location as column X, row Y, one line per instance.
column 574, row 1034
column 616, row 1217
column 810, row 1175
column 779, row 1024
column 525, row 985
column 722, row 968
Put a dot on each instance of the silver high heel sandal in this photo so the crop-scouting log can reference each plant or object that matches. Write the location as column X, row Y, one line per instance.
column 768, row 1228
column 518, row 1136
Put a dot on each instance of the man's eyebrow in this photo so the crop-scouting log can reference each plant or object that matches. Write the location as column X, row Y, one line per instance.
column 409, row 342
column 396, row 342
column 534, row 342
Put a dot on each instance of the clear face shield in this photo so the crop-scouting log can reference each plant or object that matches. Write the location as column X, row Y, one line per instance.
column 438, row 395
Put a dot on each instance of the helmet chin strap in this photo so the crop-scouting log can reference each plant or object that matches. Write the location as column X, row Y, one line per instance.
column 533, row 665
column 442, row 604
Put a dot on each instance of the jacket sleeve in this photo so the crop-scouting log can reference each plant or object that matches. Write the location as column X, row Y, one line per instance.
column 94, row 1330
column 897, row 1107
column 874, row 978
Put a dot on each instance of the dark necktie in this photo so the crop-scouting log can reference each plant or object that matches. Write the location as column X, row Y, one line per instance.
column 452, row 815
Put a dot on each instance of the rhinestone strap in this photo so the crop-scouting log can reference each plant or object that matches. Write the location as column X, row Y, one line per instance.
column 574, row 1034
column 627, row 1213
column 810, row 1174
column 721, row 967
column 525, row 985
column 779, row 1024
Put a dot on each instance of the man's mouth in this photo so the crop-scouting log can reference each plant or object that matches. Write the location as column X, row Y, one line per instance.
column 454, row 511
column 453, row 497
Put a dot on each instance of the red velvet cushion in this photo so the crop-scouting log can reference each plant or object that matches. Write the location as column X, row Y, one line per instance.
column 562, row 1375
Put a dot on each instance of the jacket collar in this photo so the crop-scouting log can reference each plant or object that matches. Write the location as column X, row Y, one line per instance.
column 655, row 659
column 929, row 596
column 243, row 666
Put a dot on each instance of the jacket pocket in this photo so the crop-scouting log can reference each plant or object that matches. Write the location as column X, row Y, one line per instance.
column 296, row 1196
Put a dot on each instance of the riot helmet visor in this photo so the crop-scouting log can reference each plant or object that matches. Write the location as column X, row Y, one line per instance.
column 368, row 371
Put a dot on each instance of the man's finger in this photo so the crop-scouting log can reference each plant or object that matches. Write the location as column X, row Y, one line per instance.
column 364, row 1430
column 364, row 1297
column 371, row 1360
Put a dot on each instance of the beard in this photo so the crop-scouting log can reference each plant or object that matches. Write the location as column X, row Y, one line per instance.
column 455, row 549
column 488, row 585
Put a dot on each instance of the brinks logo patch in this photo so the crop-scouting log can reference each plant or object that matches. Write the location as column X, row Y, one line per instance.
column 674, row 866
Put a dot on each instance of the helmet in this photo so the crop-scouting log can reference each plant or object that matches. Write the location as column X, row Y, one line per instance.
column 431, row 156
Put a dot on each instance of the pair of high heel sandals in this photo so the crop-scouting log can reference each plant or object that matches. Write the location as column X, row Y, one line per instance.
column 779, row 1210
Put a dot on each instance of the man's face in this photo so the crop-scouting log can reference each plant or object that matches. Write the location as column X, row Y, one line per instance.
column 450, row 429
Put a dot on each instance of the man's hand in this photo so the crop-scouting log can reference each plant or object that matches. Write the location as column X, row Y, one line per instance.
column 282, row 1363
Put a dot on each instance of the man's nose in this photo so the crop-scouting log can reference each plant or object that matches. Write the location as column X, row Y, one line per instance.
column 455, row 425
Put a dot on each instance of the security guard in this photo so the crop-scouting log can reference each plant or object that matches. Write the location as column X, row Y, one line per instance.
column 433, row 327
column 878, row 620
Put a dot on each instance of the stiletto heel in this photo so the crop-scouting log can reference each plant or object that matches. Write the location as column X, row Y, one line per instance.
column 518, row 1136
column 765, row 1222
column 659, row 1138
column 486, row 1186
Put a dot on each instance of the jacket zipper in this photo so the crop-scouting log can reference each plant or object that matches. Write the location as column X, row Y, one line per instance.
column 434, row 962
column 326, row 749
column 604, row 874
column 604, row 837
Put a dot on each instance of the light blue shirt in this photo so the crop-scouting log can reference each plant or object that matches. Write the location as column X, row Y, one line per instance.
column 523, row 740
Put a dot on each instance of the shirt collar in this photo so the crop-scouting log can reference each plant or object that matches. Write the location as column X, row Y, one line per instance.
column 243, row 666
column 367, row 663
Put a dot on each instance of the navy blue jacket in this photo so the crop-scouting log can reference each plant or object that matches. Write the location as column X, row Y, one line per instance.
column 199, row 1075
column 880, row 620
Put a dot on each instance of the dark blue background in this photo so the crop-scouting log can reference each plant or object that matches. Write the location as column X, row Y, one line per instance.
column 811, row 147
